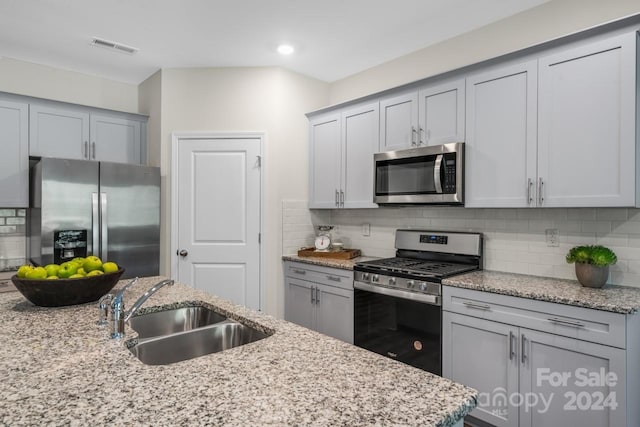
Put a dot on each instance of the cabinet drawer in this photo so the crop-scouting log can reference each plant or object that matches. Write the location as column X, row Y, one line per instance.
column 576, row 322
column 317, row 274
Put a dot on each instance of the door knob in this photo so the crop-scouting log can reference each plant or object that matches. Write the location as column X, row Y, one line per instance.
column 183, row 253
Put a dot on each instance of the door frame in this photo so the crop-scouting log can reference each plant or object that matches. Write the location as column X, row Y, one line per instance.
column 176, row 137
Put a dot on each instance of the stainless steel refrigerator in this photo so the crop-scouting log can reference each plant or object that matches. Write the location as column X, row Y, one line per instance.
column 80, row 208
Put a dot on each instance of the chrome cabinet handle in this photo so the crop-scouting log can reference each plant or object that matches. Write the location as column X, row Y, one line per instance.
column 421, row 141
column 341, row 198
column 317, row 295
column 523, row 347
column 85, row 151
column 540, row 193
column 566, row 322
column 529, row 194
column 295, row 270
column 337, row 198
column 313, row 300
column 334, row 278
column 511, row 350
column 93, row 150
column 414, row 133
column 477, row 306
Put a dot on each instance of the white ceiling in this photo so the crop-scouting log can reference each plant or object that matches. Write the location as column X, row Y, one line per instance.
column 333, row 38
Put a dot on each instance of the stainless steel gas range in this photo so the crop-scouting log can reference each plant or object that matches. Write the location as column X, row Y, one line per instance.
column 397, row 308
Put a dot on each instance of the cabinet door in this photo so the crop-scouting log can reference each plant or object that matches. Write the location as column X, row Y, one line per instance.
column 58, row 132
column 501, row 137
column 557, row 370
column 482, row 354
column 441, row 113
column 324, row 161
column 14, row 162
column 399, row 122
column 299, row 302
column 115, row 139
column 359, row 143
column 335, row 312
column 586, row 143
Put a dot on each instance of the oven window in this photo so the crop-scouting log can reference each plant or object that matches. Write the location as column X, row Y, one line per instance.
column 405, row 176
column 404, row 330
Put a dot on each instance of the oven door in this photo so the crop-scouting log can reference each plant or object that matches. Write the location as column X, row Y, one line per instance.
column 420, row 175
column 404, row 329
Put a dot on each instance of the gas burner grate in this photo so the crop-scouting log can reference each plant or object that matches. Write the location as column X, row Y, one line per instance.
column 418, row 266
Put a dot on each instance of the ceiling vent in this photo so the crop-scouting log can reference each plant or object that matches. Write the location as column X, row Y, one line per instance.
column 114, row 45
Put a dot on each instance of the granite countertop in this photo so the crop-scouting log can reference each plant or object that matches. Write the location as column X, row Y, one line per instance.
column 617, row 299
column 344, row 264
column 58, row 367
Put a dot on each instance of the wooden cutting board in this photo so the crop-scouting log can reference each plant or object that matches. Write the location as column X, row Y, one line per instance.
column 339, row 254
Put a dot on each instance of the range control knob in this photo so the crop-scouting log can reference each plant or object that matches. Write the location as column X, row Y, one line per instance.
column 365, row 276
column 375, row 278
column 392, row 281
column 411, row 284
column 422, row 286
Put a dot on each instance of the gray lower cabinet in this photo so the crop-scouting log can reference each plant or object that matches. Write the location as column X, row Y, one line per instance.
column 14, row 162
column 541, row 364
column 320, row 298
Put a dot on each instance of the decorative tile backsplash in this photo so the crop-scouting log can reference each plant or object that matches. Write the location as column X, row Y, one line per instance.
column 12, row 238
column 515, row 239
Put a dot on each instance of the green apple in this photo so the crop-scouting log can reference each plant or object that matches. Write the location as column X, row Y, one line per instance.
column 94, row 273
column 52, row 277
column 52, row 269
column 76, row 276
column 78, row 259
column 67, row 269
column 92, row 263
column 37, row 273
column 81, row 272
column 110, row 267
column 23, row 270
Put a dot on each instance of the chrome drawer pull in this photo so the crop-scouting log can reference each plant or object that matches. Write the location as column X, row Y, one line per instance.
column 334, row 278
column 523, row 348
column 295, row 270
column 566, row 322
column 511, row 350
column 477, row 306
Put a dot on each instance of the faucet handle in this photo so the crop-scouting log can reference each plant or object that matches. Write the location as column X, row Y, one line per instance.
column 103, row 305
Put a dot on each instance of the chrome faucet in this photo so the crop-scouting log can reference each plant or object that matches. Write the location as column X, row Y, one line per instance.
column 119, row 316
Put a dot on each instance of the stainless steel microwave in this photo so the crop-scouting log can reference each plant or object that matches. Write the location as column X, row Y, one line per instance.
column 426, row 175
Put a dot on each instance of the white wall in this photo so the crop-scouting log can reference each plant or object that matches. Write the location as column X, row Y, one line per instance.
column 547, row 21
column 270, row 100
column 26, row 78
column 150, row 103
column 514, row 238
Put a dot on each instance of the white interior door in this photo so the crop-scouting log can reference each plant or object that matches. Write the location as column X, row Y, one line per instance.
column 218, row 217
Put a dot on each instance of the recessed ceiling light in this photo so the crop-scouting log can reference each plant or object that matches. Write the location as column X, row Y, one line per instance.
column 285, row 49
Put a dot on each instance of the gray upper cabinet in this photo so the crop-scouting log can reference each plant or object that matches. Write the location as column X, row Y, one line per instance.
column 58, row 132
column 115, row 139
column 341, row 151
column 84, row 134
column 430, row 116
column 501, row 136
column 441, row 113
column 587, row 124
column 14, row 162
column 399, row 121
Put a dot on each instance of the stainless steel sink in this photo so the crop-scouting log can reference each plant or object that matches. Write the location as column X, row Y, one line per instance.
column 163, row 350
column 172, row 321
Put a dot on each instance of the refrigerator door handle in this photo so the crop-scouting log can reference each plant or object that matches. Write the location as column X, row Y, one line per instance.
column 95, row 223
column 104, row 234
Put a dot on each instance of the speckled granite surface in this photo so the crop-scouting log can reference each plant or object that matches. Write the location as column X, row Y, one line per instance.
column 345, row 264
column 618, row 299
column 57, row 367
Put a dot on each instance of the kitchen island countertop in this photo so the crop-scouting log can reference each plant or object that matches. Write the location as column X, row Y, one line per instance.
column 60, row 368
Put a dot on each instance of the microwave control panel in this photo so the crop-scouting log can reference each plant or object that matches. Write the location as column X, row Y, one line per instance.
column 449, row 183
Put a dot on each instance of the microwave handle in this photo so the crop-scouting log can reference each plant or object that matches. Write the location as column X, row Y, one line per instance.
column 436, row 173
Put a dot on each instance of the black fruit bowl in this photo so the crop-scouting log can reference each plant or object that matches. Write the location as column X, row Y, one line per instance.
column 60, row 292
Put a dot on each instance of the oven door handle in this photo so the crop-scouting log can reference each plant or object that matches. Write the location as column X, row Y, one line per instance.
column 398, row 293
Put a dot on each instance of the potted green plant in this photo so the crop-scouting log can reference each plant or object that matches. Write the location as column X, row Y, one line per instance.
column 592, row 264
